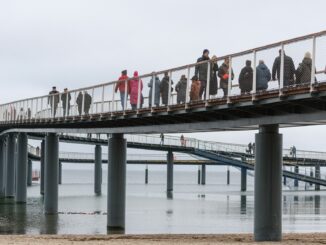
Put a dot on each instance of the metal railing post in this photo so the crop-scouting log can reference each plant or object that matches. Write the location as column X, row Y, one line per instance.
column 93, row 100
column 254, row 79
column 113, row 94
column 229, row 80
column 313, row 57
column 67, row 100
column 102, row 100
column 282, row 70
column 83, row 104
column 53, row 112
column 138, row 94
column 153, row 89
column 208, row 81
column 126, row 96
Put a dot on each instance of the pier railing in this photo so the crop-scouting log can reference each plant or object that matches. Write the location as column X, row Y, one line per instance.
column 104, row 98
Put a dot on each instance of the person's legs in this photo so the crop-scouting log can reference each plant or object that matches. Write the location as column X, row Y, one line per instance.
column 202, row 89
column 133, row 107
column 122, row 99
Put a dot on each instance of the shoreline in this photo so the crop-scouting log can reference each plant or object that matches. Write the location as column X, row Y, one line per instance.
column 289, row 238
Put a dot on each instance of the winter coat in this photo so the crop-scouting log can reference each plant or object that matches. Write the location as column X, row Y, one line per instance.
column 181, row 89
column 195, row 89
column 303, row 73
column 122, row 84
column 201, row 70
column 133, row 91
column 223, row 74
column 56, row 98
column 156, row 91
column 245, row 79
column 289, row 70
column 64, row 99
column 263, row 76
column 213, row 80
column 87, row 102
column 164, row 89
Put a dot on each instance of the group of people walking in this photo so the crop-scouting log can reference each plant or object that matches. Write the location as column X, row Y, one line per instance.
column 219, row 77
column 83, row 101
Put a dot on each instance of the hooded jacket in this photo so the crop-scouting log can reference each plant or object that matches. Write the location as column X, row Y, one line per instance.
column 181, row 89
column 133, row 89
column 245, row 79
column 263, row 76
column 303, row 73
column 122, row 84
column 164, row 89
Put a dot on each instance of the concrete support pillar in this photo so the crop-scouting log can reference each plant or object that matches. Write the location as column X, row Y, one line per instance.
column 243, row 179
column 60, row 173
column 203, row 174
column 317, row 175
column 116, row 182
column 296, row 182
column 169, row 186
column 21, row 177
column 2, row 166
column 10, row 165
column 29, row 172
column 146, row 175
column 198, row 178
column 51, row 172
column 42, row 165
column 284, row 180
column 228, row 176
column 98, row 170
column 268, row 184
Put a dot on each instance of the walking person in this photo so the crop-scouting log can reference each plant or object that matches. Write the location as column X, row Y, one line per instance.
column 213, row 84
column 181, row 89
column 53, row 100
column 157, row 84
column 289, row 70
column 263, row 76
column 223, row 74
column 121, row 86
column 201, row 72
column 164, row 88
column 134, row 85
column 303, row 72
column 65, row 100
column 195, row 89
column 162, row 138
column 87, row 102
column 246, row 78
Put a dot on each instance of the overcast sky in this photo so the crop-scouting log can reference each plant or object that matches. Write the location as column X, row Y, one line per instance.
column 76, row 43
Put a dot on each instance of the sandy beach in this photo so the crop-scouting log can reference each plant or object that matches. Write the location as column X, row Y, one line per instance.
column 311, row 238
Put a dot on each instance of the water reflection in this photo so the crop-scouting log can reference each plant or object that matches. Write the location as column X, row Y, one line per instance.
column 49, row 224
column 243, row 209
column 317, row 204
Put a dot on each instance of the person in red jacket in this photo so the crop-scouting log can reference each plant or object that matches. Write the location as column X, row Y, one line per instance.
column 121, row 86
column 135, row 91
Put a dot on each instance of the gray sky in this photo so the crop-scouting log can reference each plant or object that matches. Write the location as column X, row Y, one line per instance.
column 78, row 43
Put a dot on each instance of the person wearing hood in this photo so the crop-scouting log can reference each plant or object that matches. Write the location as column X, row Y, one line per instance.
column 157, row 85
column 121, row 86
column 201, row 71
column 246, row 78
column 289, row 69
column 213, row 80
column 263, row 76
column 134, row 85
column 164, row 88
column 223, row 74
column 303, row 72
column 195, row 89
column 181, row 89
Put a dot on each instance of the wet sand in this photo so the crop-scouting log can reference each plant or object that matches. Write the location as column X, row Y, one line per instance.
column 311, row 238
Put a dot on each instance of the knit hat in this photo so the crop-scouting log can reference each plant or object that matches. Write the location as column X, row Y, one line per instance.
column 205, row 51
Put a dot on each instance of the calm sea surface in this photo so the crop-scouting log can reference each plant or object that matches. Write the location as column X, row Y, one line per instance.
column 213, row 208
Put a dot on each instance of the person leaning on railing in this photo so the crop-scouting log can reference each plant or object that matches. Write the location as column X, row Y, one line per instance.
column 246, row 78
column 195, row 89
column 133, row 91
column 164, row 88
column 303, row 72
column 289, row 70
column 181, row 89
column 213, row 83
column 157, row 85
column 65, row 99
column 53, row 100
column 263, row 76
column 121, row 86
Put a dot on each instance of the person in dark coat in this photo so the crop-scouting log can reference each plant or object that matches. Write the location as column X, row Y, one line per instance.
column 223, row 74
column 53, row 100
column 79, row 102
column 303, row 72
column 87, row 102
column 263, row 76
column 213, row 79
column 181, row 89
column 157, row 89
column 164, row 88
column 201, row 71
column 289, row 70
column 65, row 99
column 246, row 78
